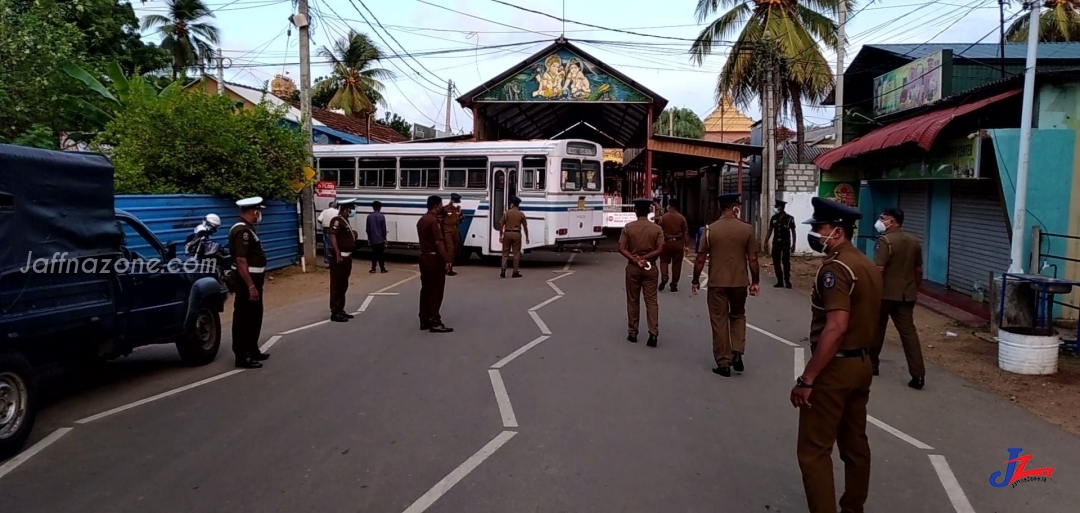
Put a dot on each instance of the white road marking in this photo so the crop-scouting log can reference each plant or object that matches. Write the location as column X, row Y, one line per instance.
column 366, row 303
column 952, row 486
column 704, row 279
column 156, row 397
column 550, row 300
column 899, row 434
column 777, row 338
column 561, row 276
column 455, row 476
column 503, row 398
column 395, row 284
column 539, row 322
column 521, row 350
column 569, row 261
column 562, row 271
column 302, row 328
column 384, row 294
column 21, row 458
column 800, row 361
column 269, row 343
column 555, row 288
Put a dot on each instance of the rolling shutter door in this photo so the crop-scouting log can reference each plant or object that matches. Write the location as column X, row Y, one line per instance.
column 978, row 235
column 913, row 201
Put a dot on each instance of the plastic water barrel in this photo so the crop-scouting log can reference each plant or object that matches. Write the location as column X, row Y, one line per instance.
column 1031, row 354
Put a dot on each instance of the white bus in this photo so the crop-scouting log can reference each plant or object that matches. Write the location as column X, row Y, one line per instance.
column 559, row 183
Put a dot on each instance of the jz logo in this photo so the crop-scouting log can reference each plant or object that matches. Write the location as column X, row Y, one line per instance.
column 1016, row 471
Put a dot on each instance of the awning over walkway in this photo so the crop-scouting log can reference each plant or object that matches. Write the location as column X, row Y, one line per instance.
column 681, row 153
column 921, row 130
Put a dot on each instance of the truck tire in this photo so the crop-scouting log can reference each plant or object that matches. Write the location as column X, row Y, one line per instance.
column 201, row 342
column 18, row 402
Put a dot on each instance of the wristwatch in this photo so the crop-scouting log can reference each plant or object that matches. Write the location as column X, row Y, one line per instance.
column 801, row 383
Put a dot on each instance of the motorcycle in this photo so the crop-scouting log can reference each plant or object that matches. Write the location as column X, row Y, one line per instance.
column 199, row 247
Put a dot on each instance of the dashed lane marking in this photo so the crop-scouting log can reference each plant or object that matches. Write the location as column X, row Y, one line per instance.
column 555, row 288
column 521, row 350
column 774, row 337
column 569, row 261
column 506, row 410
column 162, row 395
column 459, row 473
column 21, row 458
column 546, row 302
column 898, row 434
column 539, row 322
column 952, row 486
column 269, row 343
column 365, row 304
column 302, row 328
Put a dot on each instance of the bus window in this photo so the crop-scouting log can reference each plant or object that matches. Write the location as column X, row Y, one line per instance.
column 379, row 172
column 465, row 172
column 420, row 172
column 590, row 175
column 533, row 173
column 340, row 170
column 571, row 175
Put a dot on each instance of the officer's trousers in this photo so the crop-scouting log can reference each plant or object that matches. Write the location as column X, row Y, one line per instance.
column 837, row 414
column 672, row 255
column 247, row 320
column 512, row 245
column 339, row 283
column 640, row 282
column 903, row 317
column 432, row 287
column 727, row 314
column 452, row 239
column 781, row 261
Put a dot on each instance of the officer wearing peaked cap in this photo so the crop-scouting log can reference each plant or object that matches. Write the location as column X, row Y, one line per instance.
column 451, row 218
column 512, row 224
column 342, row 245
column 782, row 225
column 641, row 243
column 247, row 282
column 833, row 390
column 731, row 248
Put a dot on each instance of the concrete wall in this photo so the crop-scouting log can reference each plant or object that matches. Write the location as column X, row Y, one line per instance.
column 797, row 184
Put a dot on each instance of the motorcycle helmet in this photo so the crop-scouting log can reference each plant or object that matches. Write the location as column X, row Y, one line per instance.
column 212, row 221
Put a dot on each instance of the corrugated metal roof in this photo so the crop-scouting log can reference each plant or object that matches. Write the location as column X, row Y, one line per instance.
column 983, row 50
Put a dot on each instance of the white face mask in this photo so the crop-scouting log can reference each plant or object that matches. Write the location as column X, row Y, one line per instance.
column 258, row 216
column 775, row 210
column 880, row 226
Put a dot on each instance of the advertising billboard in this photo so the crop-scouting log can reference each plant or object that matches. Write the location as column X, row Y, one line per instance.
column 915, row 84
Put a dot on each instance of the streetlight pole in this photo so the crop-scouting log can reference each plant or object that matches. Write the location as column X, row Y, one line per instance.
column 1020, row 202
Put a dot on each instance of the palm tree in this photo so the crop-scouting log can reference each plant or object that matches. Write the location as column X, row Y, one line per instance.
column 1058, row 24
column 687, row 123
column 354, row 78
column 786, row 31
column 186, row 36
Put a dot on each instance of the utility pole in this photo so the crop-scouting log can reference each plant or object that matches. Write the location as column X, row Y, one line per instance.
column 1020, row 202
column 307, row 196
column 1001, row 27
column 449, row 94
column 220, row 73
column 838, row 97
column 768, row 125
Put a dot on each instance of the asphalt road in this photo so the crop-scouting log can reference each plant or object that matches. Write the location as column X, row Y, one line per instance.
column 377, row 416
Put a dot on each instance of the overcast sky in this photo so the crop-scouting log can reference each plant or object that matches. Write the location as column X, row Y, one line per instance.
column 431, row 44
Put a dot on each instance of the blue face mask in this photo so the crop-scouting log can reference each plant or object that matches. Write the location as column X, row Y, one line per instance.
column 352, row 213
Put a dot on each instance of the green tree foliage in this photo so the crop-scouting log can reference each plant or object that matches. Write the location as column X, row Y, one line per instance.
column 195, row 143
column 687, row 123
column 1058, row 23
column 355, row 79
column 396, row 122
column 187, row 35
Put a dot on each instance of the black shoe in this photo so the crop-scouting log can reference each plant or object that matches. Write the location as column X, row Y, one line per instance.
column 736, row 362
column 779, row 285
column 877, row 372
column 248, row 363
column 674, row 287
column 339, row 318
column 723, row 371
column 917, row 383
column 515, row 275
column 451, row 273
column 631, row 338
column 441, row 329
column 372, row 271
column 502, row 273
column 424, row 327
column 384, row 271
column 261, row 357
column 787, row 285
column 652, row 341
column 349, row 315
column 662, row 285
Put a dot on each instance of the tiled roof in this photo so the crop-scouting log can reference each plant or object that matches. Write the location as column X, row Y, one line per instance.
column 380, row 133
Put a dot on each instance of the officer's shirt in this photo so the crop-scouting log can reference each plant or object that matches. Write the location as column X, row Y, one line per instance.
column 674, row 225
column 342, row 231
column 782, row 225
column 429, row 233
column 728, row 241
column 244, row 243
column 847, row 281
column 641, row 237
column 451, row 217
column 512, row 220
column 900, row 254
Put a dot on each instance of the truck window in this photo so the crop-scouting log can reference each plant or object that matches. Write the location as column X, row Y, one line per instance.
column 138, row 245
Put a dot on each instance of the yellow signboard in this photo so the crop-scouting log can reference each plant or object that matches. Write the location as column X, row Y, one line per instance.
column 298, row 185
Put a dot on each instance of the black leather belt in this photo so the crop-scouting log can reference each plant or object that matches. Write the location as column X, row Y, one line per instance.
column 848, row 353
column 673, row 238
column 513, row 231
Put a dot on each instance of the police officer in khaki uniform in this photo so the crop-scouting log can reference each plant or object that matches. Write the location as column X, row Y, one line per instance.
column 782, row 225
column 898, row 255
column 832, row 392
column 249, row 261
column 510, row 227
column 731, row 248
column 451, row 221
column 676, row 245
column 641, row 243
column 342, row 245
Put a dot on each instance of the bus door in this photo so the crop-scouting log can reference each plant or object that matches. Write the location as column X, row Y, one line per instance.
column 503, row 187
